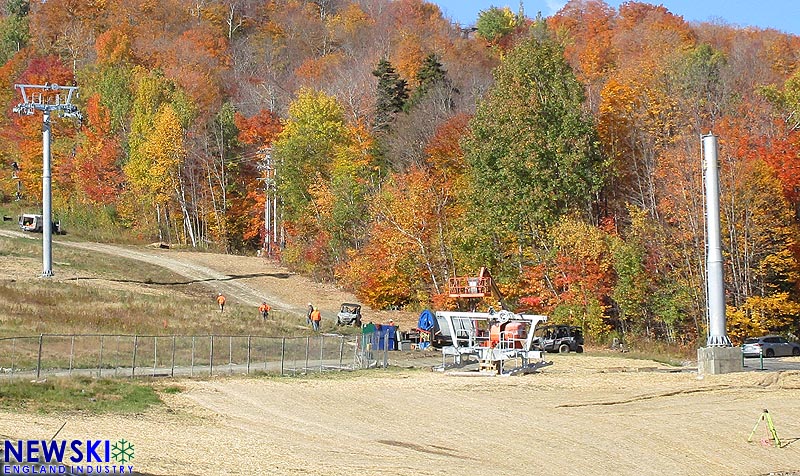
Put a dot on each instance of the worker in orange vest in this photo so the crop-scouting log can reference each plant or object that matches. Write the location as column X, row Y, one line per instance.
column 221, row 302
column 264, row 310
column 315, row 318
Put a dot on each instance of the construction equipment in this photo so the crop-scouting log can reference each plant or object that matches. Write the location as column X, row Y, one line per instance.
column 492, row 338
column 475, row 288
column 772, row 434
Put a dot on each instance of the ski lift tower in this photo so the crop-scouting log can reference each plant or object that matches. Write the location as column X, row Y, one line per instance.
column 719, row 356
column 47, row 98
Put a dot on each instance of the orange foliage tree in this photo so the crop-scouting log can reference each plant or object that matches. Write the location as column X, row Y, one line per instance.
column 96, row 174
column 256, row 134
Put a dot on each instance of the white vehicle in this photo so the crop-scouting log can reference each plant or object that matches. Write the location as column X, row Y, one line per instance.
column 30, row 222
column 35, row 223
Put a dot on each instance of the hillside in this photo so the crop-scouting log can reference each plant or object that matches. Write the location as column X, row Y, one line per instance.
column 376, row 145
column 246, row 281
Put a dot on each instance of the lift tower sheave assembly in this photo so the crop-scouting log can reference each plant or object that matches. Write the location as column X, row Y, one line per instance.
column 47, row 98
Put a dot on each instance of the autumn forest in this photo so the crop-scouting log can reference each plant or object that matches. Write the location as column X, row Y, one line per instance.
column 393, row 149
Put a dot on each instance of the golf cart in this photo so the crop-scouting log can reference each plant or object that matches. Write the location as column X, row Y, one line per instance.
column 558, row 338
column 349, row 314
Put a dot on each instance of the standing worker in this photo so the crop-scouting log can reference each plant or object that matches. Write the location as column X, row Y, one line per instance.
column 308, row 313
column 221, row 302
column 315, row 318
column 264, row 310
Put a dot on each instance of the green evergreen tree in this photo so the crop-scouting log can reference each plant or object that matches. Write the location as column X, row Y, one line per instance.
column 430, row 75
column 533, row 154
column 392, row 94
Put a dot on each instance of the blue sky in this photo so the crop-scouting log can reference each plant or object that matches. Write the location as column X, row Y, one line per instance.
column 783, row 15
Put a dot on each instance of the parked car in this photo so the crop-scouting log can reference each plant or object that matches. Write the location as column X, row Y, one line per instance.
column 769, row 346
column 558, row 338
column 349, row 314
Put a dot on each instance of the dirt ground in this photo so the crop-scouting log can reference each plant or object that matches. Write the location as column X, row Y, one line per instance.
column 584, row 415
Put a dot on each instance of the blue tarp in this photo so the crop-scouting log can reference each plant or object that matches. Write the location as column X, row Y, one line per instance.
column 426, row 320
column 426, row 323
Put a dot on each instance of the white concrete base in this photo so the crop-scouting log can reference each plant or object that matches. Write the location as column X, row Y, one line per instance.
column 719, row 360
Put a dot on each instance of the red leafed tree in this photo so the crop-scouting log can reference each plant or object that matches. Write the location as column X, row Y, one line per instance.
column 259, row 130
column 574, row 283
column 782, row 154
column 94, row 170
column 255, row 133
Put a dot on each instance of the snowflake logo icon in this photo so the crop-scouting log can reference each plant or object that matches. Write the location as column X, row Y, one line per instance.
column 122, row 451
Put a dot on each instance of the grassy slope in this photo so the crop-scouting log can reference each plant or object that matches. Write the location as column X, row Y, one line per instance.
column 99, row 293
column 80, row 394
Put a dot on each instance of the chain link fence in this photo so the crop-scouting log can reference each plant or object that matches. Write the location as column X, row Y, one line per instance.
column 103, row 355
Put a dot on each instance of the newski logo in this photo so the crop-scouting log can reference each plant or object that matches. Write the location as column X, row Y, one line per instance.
column 67, row 457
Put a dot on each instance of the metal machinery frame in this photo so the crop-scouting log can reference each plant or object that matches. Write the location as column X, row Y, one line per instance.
column 474, row 288
column 492, row 338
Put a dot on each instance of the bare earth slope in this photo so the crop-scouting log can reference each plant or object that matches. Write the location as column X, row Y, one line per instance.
column 584, row 415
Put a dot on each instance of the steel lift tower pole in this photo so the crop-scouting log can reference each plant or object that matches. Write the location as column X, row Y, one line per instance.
column 717, row 336
column 270, row 201
column 47, row 98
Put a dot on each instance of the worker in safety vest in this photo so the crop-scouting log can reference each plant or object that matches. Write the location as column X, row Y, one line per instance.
column 264, row 310
column 315, row 318
column 221, row 302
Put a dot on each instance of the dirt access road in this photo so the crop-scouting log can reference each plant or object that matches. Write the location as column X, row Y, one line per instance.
column 584, row 415
column 245, row 280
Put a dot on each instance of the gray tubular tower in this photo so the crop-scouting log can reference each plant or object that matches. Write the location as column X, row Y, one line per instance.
column 47, row 98
column 715, row 287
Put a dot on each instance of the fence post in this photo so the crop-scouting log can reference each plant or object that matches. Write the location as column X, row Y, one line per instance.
column 230, row 355
column 71, row 354
column 341, row 351
column 248, row 354
column 191, row 364
column 321, row 351
column 135, row 348
column 39, row 358
column 155, row 354
column 117, row 353
column 308, row 345
column 100, row 362
column 13, row 354
column 211, row 358
column 172, row 370
column 386, row 350
column 283, row 352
